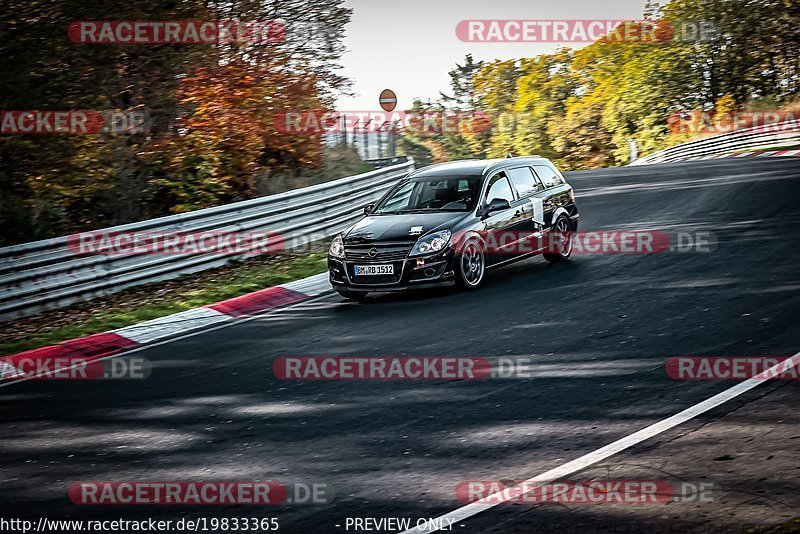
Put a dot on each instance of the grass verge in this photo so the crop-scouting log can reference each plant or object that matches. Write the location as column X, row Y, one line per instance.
column 151, row 301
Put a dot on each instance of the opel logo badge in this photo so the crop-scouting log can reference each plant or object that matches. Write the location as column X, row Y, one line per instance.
column 373, row 252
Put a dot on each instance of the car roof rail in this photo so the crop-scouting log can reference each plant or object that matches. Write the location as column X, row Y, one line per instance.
column 512, row 156
column 426, row 167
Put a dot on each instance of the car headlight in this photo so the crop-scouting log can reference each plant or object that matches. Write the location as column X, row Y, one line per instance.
column 337, row 247
column 431, row 243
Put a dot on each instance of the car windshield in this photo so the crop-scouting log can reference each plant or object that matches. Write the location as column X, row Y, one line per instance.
column 443, row 193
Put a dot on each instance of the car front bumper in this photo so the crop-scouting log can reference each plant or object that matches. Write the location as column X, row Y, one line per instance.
column 435, row 270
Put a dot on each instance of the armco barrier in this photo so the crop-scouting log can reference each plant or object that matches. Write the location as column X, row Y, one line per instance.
column 776, row 135
column 47, row 274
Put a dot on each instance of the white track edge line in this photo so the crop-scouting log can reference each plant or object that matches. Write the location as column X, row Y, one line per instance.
column 602, row 453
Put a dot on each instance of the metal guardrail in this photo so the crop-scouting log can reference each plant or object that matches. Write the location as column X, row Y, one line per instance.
column 776, row 135
column 49, row 274
column 385, row 162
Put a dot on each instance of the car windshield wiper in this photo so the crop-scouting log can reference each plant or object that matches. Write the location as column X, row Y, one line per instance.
column 428, row 210
column 418, row 210
column 399, row 212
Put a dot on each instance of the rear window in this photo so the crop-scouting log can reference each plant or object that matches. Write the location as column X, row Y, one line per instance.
column 548, row 176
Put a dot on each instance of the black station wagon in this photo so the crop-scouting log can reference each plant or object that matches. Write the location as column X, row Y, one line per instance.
column 446, row 224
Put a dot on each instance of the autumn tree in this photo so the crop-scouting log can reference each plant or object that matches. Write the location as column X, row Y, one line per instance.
column 211, row 106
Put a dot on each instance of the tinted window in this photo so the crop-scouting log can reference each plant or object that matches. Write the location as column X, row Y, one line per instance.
column 399, row 200
column 548, row 176
column 499, row 188
column 431, row 194
column 524, row 180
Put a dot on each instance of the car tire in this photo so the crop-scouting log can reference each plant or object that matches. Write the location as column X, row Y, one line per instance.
column 470, row 265
column 563, row 245
column 352, row 295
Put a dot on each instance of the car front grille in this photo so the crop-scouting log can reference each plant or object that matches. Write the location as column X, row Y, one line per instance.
column 378, row 252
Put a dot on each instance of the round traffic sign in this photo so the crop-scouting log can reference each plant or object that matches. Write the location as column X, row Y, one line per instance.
column 388, row 100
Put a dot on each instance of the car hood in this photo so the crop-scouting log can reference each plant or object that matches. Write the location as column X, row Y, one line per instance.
column 398, row 227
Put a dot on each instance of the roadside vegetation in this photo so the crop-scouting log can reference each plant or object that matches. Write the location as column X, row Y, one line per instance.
column 157, row 300
column 580, row 108
column 210, row 136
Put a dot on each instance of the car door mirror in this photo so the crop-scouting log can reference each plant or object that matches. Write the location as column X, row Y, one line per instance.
column 496, row 204
column 368, row 209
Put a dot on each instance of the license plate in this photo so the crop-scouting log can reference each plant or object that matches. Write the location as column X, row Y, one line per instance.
column 374, row 270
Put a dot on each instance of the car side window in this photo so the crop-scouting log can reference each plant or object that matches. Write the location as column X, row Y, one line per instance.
column 559, row 176
column 548, row 176
column 525, row 181
column 499, row 187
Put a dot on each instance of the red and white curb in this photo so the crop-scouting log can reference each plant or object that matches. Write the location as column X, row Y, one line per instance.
column 108, row 343
column 768, row 153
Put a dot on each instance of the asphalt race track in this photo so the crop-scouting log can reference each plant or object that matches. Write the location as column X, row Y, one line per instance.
column 598, row 329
